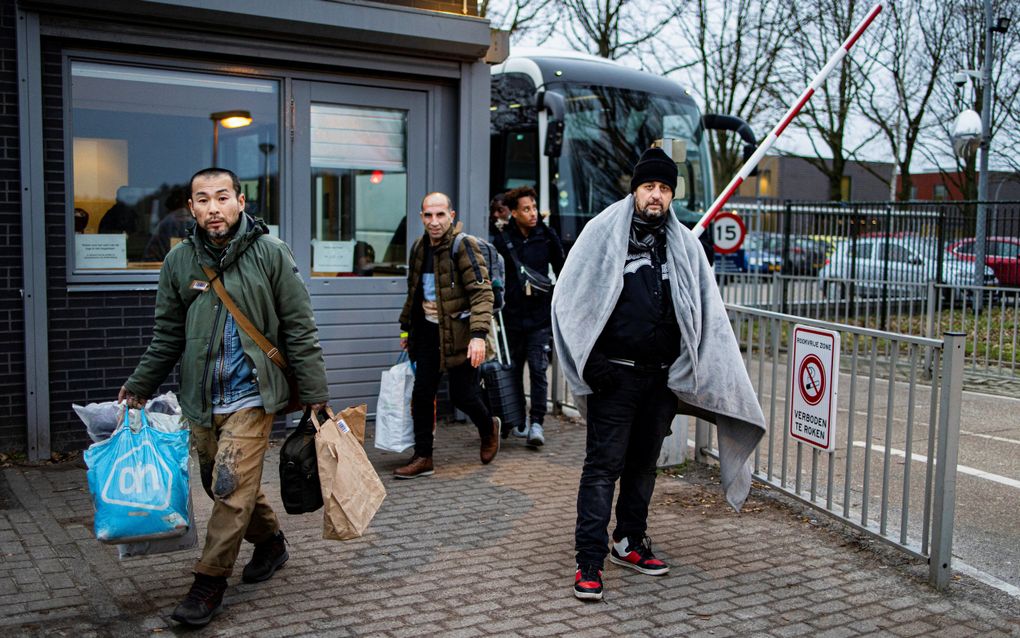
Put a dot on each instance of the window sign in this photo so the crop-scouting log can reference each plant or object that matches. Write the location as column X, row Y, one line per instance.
column 100, row 251
column 138, row 134
column 359, row 191
column 333, row 256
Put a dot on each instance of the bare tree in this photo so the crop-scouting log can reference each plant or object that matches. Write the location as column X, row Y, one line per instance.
column 908, row 70
column 731, row 55
column 536, row 18
column 614, row 28
column 829, row 115
column 967, row 53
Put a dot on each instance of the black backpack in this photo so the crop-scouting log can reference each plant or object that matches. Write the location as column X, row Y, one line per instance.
column 299, row 471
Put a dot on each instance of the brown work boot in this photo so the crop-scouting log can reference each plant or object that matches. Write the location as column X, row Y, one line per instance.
column 418, row 466
column 490, row 442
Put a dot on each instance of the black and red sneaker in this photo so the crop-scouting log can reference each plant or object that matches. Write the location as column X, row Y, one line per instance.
column 588, row 582
column 638, row 556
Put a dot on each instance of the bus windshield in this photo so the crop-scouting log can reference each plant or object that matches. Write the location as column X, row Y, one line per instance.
column 606, row 130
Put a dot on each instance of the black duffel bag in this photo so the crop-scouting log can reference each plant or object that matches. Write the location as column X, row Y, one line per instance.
column 299, row 471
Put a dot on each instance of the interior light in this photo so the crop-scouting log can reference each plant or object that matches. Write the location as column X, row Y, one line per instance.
column 232, row 119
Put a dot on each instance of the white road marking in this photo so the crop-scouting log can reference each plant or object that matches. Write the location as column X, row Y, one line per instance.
column 962, row 469
column 985, row 578
column 989, row 436
column 986, row 395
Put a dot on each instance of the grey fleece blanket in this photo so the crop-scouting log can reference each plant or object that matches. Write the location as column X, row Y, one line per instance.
column 708, row 377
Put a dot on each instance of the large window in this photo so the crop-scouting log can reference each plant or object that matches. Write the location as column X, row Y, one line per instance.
column 138, row 134
column 359, row 190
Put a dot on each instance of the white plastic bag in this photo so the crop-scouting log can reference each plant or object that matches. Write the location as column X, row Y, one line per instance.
column 394, row 428
column 101, row 419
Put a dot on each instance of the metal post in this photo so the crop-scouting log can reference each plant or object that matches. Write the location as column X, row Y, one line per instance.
column 33, row 237
column 986, row 138
column 557, row 398
column 784, row 262
column 702, row 440
column 946, row 457
column 931, row 310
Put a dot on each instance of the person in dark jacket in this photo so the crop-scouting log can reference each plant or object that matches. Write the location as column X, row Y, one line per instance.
column 631, row 408
column 444, row 324
column 230, row 389
column 529, row 248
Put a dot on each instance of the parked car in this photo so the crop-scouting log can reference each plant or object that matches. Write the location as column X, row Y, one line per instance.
column 901, row 262
column 763, row 253
column 1002, row 254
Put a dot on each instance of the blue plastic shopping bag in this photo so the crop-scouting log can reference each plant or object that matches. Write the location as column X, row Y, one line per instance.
column 139, row 483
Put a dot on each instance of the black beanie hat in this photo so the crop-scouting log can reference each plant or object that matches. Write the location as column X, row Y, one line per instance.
column 654, row 166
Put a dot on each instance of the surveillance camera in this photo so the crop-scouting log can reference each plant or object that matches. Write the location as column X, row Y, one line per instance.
column 960, row 78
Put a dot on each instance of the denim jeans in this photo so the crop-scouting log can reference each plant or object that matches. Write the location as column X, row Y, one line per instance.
column 230, row 457
column 465, row 390
column 626, row 426
column 532, row 347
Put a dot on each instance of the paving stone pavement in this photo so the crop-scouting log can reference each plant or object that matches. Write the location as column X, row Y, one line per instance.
column 486, row 550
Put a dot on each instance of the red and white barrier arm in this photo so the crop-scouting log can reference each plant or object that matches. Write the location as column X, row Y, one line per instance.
column 767, row 143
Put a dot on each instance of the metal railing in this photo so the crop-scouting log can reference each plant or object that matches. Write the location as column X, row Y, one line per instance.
column 885, row 409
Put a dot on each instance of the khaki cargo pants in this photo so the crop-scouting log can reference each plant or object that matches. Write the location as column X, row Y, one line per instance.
column 230, row 456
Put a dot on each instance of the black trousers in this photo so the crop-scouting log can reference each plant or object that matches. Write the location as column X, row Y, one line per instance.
column 465, row 389
column 626, row 426
column 532, row 347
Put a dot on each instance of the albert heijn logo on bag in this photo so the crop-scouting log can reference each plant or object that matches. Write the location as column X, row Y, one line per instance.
column 146, row 485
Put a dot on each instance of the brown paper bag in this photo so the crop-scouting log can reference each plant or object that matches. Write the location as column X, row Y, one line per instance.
column 351, row 490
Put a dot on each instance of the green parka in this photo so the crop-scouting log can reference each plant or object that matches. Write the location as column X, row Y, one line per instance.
column 259, row 273
column 463, row 295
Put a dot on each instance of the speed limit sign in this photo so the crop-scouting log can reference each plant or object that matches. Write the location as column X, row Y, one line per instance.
column 729, row 233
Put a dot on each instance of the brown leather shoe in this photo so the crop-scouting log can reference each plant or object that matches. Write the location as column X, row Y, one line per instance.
column 418, row 466
column 490, row 443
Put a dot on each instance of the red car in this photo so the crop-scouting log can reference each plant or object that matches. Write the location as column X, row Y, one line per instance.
column 1002, row 254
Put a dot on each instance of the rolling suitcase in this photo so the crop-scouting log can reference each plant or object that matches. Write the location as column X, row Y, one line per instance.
column 504, row 397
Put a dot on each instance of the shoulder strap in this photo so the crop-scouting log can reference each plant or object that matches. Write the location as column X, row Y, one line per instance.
column 455, row 248
column 510, row 249
column 242, row 320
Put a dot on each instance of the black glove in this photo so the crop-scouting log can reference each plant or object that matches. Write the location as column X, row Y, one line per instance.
column 599, row 373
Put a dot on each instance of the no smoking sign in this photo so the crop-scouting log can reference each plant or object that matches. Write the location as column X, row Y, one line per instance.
column 814, row 371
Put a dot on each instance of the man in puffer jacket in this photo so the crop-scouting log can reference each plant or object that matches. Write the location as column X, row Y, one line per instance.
column 230, row 389
column 444, row 324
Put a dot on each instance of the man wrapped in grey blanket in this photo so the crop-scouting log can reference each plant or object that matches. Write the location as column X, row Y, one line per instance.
column 704, row 368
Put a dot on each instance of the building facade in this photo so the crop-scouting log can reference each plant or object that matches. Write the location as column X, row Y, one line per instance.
column 795, row 178
column 337, row 115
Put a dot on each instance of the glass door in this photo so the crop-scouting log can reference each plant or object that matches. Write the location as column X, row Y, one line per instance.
column 360, row 163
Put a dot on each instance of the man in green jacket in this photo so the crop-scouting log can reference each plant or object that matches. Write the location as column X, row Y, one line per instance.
column 230, row 389
column 443, row 326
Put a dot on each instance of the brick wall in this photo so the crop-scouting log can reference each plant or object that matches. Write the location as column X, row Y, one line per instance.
column 12, row 351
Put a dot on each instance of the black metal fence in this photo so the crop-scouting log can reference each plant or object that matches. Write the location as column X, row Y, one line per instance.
column 869, row 242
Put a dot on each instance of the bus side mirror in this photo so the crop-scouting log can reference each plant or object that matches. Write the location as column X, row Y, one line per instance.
column 556, row 105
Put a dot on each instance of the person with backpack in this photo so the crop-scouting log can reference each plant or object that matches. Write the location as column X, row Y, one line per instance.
column 444, row 325
column 529, row 248
column 232, row 385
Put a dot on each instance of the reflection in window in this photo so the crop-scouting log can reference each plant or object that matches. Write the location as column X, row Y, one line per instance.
column 359, row 191
column 138, row 136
